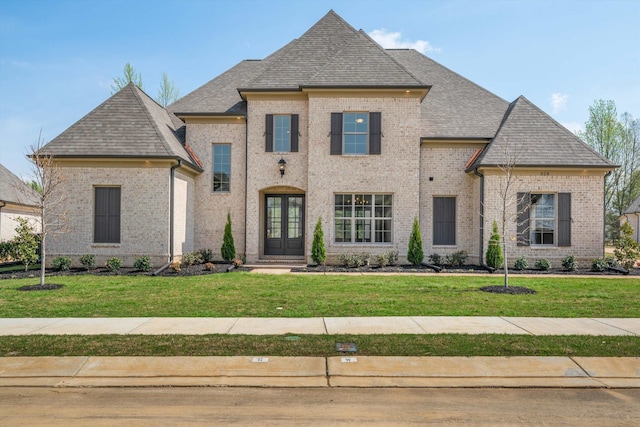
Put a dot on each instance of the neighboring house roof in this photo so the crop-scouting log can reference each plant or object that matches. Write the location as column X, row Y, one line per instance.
column 454, row 107
column 634, row 207
column 129, row 125
column 530, row 137
column 14, row 190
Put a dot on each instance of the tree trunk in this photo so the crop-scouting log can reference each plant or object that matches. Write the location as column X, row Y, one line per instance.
column 506, row 265
column 42, row 259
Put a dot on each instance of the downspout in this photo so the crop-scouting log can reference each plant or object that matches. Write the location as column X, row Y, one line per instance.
column 480, row 255
column 2, row 205
column 246, row 177
column 171, row 208
column 604, row 213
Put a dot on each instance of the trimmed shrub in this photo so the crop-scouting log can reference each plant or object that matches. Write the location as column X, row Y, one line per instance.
column 209, row 266
column 387, row 258
column 436, row 259
column 457, row 259
column 61, row 263
column 228, row 249
column 543, row 264
column 569, row 263
column 25, row 244
column 113, row 265
column 611, row 261
column 521, row 263
column 318, row 251
column 353, row 260
column 143, row 263
column 207, row 255
column 88, row 261
column 5, row 250
column 415, row 254
column 192, row 258
column 599, row 265
column 494, row 256
column 237, row 263
column 627, row 250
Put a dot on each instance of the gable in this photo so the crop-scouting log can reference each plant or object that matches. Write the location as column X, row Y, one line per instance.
column 128, row 124
column 533, row 138
column 14, row 190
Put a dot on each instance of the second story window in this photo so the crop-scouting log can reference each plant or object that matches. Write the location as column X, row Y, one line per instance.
column 281, row 133
column 356, row 133
column 221, row 168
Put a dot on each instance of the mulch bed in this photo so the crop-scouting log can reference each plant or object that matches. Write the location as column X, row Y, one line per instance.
column 38, row 287
column 512, row 290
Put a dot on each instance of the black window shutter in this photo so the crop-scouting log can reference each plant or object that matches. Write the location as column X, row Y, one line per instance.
column 444, row 220
column 336, row 133
column 375, row 133
column 524, row 203
column 294, row 133
column 268, row 133
column 107, row 215
column 564, row 219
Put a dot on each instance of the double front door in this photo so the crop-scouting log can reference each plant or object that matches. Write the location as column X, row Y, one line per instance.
column 284, row 224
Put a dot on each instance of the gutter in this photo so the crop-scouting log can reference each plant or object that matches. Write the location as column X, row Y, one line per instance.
column 475, row 172
column 171, row 207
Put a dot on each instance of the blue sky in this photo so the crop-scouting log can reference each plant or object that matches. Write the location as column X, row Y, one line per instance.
column 58, row 58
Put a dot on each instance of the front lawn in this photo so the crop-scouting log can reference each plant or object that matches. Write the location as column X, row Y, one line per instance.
column 256, row 295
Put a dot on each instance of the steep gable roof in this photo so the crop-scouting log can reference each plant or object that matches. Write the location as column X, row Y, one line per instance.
column 333, row 54
column 14, row 190
column 634, row 207
column 128, row 124
column 455, row 107
column 532, row 138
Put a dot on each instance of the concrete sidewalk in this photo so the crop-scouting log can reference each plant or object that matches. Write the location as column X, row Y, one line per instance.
column 321, row 325
column 352, row 371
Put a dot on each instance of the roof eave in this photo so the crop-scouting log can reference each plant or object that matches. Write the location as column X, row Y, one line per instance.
column 113, row 156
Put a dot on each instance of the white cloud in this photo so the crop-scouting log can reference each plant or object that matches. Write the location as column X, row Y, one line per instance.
column 559, row 101
column 393, row 40
column 573, row 126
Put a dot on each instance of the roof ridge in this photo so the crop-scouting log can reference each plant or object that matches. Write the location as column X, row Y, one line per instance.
column 152, row 121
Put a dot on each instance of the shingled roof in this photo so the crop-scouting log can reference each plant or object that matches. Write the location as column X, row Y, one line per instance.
column 532, row 138
column 127, row 125
column 14, row 190
column 634, row 207
column 455, row 107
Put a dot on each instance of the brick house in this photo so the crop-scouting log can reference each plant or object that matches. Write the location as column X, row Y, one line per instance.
column 17, row 200
column 330, row 126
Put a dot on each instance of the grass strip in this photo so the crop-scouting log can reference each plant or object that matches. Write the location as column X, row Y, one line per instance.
column 263, row 295
column 319, row 345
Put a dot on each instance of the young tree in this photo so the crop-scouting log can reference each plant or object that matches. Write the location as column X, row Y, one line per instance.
column 415, row 254
column 318, row 252
column 627, row 250
column 618, row 141
column 167, row 93
column 24, row 246
column 494, row 256
column 129, row 75
column 228, row 248
column 51, row 200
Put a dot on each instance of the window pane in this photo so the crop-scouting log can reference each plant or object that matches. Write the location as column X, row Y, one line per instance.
column 355, row 133
column 363, row 230
column 543, row 219
column 282, row 133
column 221, row 167
column 356, row 215
column 343, row 230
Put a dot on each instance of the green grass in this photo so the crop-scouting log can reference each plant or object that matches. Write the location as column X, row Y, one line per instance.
column 318, row 345
column 255, row 295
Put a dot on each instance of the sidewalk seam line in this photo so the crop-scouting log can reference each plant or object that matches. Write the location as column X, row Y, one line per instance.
column 81, row 366
column 417, row 324
column 324, row 323
column 139, row 326
column 580, row 366
column 232, row 326
column 613, row 326
column 506, row 319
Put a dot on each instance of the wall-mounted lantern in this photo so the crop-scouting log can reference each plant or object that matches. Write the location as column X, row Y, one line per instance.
column 282, row 165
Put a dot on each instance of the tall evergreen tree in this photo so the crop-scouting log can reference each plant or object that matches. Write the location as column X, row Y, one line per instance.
column 415, row 254
column 494, row 256
column 318, row 252
column 228, row 249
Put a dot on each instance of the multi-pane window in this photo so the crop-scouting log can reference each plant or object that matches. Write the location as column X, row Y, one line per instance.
column 363, row 218
column 282, row 133
column 444, row 221
column 106, row 225
column 355, row 133
column 221, row 167
column 542, row 219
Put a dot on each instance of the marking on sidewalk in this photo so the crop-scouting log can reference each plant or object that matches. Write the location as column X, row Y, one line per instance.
column 260, row 360
column 349, row 360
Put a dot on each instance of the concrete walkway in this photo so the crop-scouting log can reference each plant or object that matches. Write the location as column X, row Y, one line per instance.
column 339, row 371
column 321, row 325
